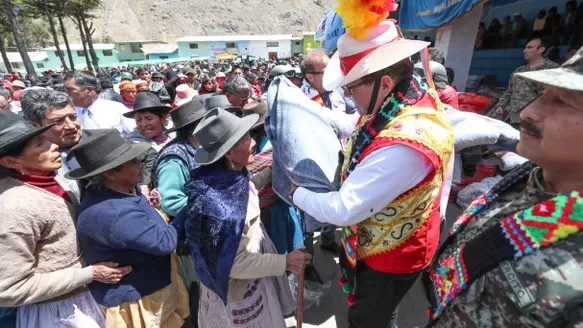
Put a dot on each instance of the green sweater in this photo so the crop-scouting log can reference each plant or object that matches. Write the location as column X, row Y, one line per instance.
column 172, row 175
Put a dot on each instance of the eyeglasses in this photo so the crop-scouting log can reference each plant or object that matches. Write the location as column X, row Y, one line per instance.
column 243, row 99
column 351, row 87
column 315, row 73
column 293, row 74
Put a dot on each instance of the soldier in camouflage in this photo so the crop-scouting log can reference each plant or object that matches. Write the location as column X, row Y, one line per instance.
column 522, row 92
column 544, row 288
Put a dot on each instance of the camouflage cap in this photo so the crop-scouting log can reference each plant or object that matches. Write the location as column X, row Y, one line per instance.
column 569, row 76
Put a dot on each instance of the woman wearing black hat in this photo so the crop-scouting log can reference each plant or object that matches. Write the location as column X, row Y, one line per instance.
column 171, row 173
column 117, row 223
column 175, row 161
column 150, row 116
column 42, row 269
column 243, row 281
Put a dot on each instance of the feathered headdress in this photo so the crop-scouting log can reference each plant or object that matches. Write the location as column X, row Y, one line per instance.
column 361, row 15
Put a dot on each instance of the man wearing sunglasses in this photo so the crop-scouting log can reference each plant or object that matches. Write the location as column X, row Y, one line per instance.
column 294, row 74
column 313, row 67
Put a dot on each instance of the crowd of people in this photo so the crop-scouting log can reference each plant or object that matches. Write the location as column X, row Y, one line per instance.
column 556, row 29
column 151, row 196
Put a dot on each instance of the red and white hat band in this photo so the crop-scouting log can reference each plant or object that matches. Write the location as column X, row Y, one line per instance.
column 381, row 35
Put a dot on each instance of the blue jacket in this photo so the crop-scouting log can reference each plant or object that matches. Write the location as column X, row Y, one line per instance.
column 118, row 227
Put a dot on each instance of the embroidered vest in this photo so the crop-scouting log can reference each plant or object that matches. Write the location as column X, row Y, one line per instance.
column 428, row 131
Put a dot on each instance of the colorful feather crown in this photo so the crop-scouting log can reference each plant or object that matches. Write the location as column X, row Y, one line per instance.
column 362, row 15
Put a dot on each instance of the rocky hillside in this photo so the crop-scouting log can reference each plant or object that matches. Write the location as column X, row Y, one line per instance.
column 169, row 20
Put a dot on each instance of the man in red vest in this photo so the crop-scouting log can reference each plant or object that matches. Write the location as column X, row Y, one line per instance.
column 393, row 173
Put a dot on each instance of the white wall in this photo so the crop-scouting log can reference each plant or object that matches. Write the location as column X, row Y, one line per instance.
column 260, row 49
column 457, row 40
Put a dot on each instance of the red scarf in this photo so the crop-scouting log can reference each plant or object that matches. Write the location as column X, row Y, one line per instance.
column 46, row 182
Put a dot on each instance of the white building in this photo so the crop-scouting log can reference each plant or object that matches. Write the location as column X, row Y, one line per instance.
column 261, row 46
column 39, row 61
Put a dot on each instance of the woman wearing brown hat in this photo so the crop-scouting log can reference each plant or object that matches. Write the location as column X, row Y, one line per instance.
column 243, row 281
column 41, row 265
column 117, row 223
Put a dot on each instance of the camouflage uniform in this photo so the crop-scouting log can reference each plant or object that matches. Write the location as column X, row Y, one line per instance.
column 522, row 92
column 542, row 289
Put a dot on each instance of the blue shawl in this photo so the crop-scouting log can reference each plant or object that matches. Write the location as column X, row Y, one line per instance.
column 217, row 208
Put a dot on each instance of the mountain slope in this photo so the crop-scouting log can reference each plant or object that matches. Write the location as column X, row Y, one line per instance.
column 168, row 20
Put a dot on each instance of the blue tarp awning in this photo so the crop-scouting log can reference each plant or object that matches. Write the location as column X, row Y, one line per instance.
column 502, row 2
column 422, row 15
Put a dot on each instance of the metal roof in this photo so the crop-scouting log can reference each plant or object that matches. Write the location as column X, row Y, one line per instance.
column 78, row 46
column 14, row 57
column 159, row 48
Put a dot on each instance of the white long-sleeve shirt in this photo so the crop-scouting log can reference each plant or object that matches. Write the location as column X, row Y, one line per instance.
column 106, row 114
column 342, row 122
column 378, row 180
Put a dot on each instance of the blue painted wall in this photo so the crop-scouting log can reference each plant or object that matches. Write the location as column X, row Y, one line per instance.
column 185, row 51
column 54, row 62
column 162, row 56
column 500, row 62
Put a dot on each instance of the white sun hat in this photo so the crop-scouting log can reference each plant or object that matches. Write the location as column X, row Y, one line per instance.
column 384, row 46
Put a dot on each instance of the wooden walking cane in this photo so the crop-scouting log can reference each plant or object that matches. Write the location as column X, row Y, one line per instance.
column 300, row 308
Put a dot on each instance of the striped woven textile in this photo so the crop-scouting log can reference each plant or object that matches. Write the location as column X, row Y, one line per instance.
column 262, row 161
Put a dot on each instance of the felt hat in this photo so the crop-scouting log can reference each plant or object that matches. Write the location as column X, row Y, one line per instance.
column 256, row 107
column 157, row 75
column 383, row 47
column 18, row 84
column 202, row 98
column 147, row 102
column 188, row 113
column 103, row 151
column 217, row 101
column 218, row 132
column 569, row 76
column 15, row 131
column 188, row 70
column 184, row 93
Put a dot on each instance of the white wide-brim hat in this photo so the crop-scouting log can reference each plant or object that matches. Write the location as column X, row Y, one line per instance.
column 384, row 46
